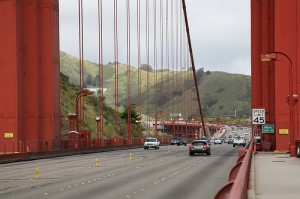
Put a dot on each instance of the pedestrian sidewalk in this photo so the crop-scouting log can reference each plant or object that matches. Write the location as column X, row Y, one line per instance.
column 274, row 176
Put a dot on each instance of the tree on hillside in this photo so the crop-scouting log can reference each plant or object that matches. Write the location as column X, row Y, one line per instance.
column 146, row 67
column 95, row 81
column 89, row 80
column 134, row 115
column 136, row 127
column 200, row 74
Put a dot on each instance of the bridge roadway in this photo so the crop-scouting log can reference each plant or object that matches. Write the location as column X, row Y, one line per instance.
column 165, row 173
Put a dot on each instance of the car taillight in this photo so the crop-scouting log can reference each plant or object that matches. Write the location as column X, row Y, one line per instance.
column 191, row 146
column 205, row 147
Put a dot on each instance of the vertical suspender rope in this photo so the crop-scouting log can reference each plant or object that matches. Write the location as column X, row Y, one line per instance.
column 116, row 63
column 167, row 53
column 128, row 65
column 190, row 82
column 168, row 91
column 155, row 94
column 147, row 72
column 80, row 20
column 139, row 56
column 101, row 98
column 162, row 54
column 181, row 68
column 177, row 72
column 172, row 56
column 80, row 115
column 80, row 57
column 193, row 65
column 185, row 88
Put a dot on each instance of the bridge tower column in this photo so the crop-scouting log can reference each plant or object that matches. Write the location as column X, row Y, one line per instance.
column 275, row 27
column 30, row 72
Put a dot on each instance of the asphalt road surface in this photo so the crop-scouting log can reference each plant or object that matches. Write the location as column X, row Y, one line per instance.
column 167, row 173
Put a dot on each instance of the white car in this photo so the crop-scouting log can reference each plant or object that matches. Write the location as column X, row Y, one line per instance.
column 151, row 143
column 239, row 141
column 218, row 141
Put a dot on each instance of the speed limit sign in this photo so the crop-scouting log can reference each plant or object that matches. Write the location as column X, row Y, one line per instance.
column 258, row 116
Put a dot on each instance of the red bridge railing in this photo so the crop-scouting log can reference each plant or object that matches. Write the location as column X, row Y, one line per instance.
column 237, row 187
column 8, row 147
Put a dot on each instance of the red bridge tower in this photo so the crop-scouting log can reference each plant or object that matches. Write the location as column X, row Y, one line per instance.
column 30, row 72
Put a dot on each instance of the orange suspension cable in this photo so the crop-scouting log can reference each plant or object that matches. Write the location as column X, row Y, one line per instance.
column 155, row 58
column 172, row 56
column 128, row 57
column 80, row 8
column 182, row 66
column 139, row 55
column 116, row 63
column 147, row 72
column 168, row 52
column 162, row 53
column 80, row 115
column 101, row 98
column 193, row 65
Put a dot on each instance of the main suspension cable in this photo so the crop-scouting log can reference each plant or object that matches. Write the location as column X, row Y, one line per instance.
column 193, row 65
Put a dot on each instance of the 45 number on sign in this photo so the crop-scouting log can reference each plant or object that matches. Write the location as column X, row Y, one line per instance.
column 259, row 120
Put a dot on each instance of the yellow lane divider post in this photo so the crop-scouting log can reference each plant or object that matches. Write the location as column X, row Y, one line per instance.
column 36, row 173
column 130, row 156
column 168, row 149
column 96, row 162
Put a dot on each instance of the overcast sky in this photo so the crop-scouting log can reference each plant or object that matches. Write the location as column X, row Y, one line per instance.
column 220, row 32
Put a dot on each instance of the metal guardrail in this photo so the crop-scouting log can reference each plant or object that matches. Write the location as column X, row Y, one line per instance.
column 7, row 147
column 237, row 187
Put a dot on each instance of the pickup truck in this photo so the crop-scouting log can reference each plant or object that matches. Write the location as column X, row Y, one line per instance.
column 239, row 141
column 151, row 143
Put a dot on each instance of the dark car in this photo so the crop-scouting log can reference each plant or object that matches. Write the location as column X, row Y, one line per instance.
column 178, row 141
column 200, row 146
column 230, row 141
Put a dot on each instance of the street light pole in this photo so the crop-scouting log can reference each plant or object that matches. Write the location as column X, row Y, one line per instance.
column 78, row 96
column 159, row 112
column 273, row 57
column 98, row 118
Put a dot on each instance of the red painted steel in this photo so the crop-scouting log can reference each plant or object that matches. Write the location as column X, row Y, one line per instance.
column 193, row 64
column 29, row 37
column 239, row 177
column 274, row 29
column 30, row 74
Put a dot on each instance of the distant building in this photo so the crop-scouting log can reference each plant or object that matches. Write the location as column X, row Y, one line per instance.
column 95, row 90
column 228, row 116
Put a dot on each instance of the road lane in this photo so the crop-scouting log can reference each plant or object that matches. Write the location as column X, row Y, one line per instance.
column 165, row 173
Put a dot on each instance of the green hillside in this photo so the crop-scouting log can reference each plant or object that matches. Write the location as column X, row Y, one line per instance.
column 220, row 93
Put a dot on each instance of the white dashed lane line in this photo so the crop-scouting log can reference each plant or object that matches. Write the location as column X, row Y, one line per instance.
column 86, row 182
column 109, row 176
column 168, row 177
